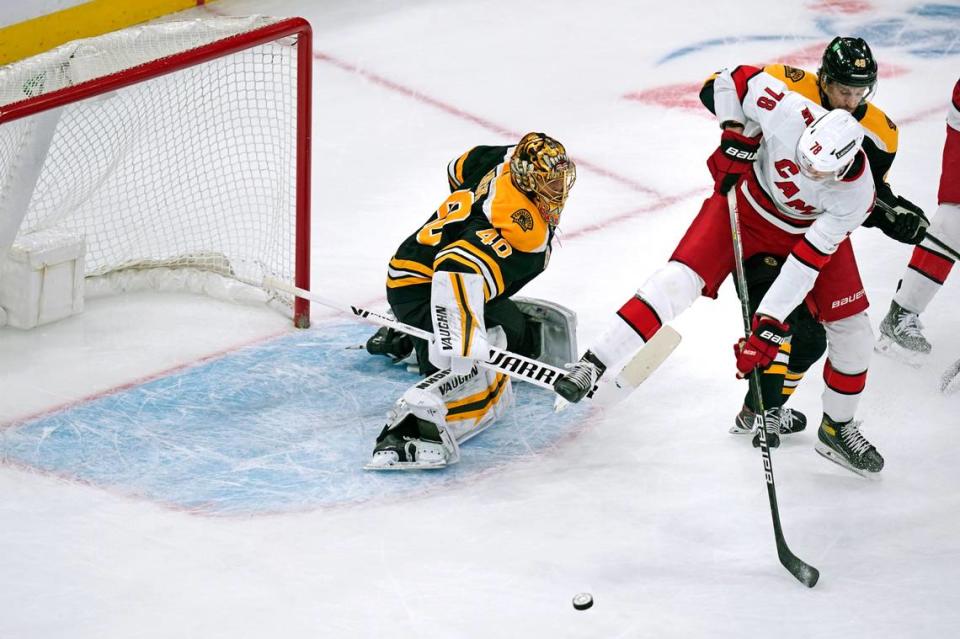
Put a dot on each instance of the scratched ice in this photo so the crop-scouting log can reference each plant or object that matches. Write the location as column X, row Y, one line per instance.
column 280, row 426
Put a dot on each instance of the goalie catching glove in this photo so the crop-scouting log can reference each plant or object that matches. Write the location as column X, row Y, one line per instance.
column 759, row 349
column 733, row 158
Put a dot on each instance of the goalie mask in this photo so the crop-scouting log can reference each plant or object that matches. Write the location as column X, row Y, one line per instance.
column 540, row 168
column 829, row 146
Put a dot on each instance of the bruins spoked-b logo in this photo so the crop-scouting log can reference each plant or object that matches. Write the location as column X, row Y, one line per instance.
column 793, row 73
column 523, row 219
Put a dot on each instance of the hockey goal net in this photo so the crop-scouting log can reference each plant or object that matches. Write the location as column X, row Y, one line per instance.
column 177, row 145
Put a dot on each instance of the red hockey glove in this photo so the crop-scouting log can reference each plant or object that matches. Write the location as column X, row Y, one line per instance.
column 732, row 159
column 761, row 347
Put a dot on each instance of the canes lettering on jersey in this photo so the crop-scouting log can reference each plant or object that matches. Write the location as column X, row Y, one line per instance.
column 822, row 211
column 776, row 187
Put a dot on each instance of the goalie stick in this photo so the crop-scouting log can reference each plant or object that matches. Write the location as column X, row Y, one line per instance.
column 512, row 364
column 804, row 572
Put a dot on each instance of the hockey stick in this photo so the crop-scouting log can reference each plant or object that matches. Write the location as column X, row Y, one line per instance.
column 888, row 210
column 512, row 364
column 611, row 390
column 942, row 245
column 804, row 572
column 517, row 366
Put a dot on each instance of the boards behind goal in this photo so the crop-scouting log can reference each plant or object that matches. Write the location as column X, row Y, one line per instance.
column 168, row 148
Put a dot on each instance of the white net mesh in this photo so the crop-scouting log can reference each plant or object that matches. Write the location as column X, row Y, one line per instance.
column 193, row 168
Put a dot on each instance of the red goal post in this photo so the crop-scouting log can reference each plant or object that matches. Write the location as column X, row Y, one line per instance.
column 170, row 145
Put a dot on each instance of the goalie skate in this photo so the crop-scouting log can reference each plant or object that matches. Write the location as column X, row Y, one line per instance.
column 414, row 444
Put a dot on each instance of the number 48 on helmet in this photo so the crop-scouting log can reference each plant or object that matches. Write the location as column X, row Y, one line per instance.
column 849, row 62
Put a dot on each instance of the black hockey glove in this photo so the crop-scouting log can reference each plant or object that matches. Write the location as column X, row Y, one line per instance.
column 732, row 159
column 899, row 219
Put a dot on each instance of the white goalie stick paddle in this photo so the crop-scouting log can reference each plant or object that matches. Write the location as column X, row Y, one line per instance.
column 609, row 391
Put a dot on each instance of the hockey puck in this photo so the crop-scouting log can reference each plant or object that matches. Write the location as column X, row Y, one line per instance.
column 583, row 601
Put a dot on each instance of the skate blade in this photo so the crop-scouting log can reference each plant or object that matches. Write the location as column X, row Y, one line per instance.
column 828, row 453
column 888, row 347
column 736, row 429
column 407, row 466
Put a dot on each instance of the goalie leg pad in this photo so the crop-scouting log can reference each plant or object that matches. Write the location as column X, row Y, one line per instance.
column 476, row 405
column 416, row 434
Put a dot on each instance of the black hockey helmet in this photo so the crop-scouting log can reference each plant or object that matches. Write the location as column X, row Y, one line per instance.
column 849, row 61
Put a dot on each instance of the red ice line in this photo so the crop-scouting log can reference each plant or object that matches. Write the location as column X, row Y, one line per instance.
column 661, row 202
column 469, row 117
column 142, row 380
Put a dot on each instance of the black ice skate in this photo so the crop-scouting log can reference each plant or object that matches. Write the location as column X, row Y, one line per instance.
column 791, row 421
column 843, row 444
column 413, row 444
column 581, row 379
column 901, row 336
column 771, row 429
column 390, row 343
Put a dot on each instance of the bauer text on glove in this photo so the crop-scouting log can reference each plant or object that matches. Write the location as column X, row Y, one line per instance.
column 761, row 346
column 732, row 159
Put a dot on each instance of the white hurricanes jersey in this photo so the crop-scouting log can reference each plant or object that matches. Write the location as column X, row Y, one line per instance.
column 824, row 212
column 953, row 111
column 950, row 175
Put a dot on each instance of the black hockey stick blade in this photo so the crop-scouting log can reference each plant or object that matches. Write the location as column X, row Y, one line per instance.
column 804, row 572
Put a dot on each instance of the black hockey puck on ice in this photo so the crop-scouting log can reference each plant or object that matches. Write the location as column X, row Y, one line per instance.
column 583, row 601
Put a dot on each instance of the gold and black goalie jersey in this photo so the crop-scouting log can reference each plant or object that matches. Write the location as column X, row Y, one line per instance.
column 486, row 226
column 880, row 142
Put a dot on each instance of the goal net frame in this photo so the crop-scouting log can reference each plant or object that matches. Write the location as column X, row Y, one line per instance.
column 297, row 28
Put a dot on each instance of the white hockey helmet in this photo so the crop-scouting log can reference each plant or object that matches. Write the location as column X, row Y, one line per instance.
column 829, row 145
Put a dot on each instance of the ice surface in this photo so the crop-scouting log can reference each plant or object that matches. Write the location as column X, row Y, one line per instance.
column 650, row 506
column 283, row 425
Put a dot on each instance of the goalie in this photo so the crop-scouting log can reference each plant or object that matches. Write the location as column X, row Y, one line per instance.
column 455, row 276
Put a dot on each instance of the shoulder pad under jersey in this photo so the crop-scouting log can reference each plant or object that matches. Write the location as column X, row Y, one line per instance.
column 880, row 128
column 515, row 216
column 803, row 82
